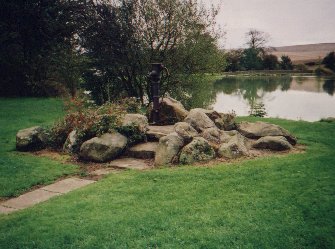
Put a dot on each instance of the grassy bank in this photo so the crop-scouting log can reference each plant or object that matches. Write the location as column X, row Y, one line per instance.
column 19, row 171
column 274, row 202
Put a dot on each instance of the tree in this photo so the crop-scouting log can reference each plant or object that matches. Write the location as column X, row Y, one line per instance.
column 233, row 58
column 253, row 56
column 126, row 36
column 257, row 39
column 285, row 63
column 270, row 61
column 329, row 61
column 251, row 59
column 31, row 34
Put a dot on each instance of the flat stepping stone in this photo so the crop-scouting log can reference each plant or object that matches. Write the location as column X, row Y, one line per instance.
column 67, row 185
column 6, row 210
column 43, row 194
column 101, row 172
column 29, row 199
column 129, row 163
column 143, row 150
column 155, row 132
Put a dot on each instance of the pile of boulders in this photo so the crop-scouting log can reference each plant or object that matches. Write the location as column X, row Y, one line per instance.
column 197, row 135
column 200, row 138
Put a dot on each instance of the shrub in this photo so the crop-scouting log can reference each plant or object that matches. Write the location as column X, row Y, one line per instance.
column 87, row 119
column 258, row 110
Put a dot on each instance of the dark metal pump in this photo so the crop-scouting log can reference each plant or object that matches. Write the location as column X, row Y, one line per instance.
column 155, row 78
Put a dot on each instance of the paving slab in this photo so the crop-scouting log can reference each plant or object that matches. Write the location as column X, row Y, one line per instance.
column 129, row 163
column 143, row 150
column 155, row 132
column 29, row 199
column 67, row 185
column 101, row 172
column 6, row 210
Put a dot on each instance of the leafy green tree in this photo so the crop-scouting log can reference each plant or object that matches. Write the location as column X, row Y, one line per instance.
column 31, row 34
column 127, row 36
column 329, row 61
column 233, row 59
column 270, row 61
column 251, row 59
column 285, row 63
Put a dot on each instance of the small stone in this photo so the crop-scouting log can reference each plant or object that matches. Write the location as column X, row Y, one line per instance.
column 71, row 143
column 31, row 139
column 277, row 143
column 235, row 148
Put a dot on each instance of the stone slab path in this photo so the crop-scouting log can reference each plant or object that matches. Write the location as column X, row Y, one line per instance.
column 64, row 186
column 129, row 163
column 42, row 194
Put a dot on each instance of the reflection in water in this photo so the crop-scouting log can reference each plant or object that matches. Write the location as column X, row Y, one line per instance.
column 329, row 87
column 308, row 98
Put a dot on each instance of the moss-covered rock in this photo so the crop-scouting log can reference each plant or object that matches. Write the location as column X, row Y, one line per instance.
column 198, row 150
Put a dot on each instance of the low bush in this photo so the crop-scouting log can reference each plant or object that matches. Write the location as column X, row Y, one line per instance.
column 90, row 120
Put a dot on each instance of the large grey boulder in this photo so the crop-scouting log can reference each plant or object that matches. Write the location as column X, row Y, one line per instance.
column 227, row 121
column 104, row 148
column 235, row 148
column 171, row 111
column 262, row 129
column 155, row 132
column 137, row 120
column 71, row 144
column 186, row 131
column 168, row 149
column 30, row 139
column 277, row 143
column 226, row 136
column 213, row 115
column 212, row 135
column 196, row 151
column 198, row 119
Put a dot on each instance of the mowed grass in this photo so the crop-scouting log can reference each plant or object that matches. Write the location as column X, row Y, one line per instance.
column 21, row 171
column 273, row 202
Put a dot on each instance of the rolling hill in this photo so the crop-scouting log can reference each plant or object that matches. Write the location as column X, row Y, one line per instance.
column 305, row 53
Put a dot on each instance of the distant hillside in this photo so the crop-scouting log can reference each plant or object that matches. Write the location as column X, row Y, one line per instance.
column 305, row 53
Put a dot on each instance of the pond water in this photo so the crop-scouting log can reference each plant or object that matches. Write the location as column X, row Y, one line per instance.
column 298, row 97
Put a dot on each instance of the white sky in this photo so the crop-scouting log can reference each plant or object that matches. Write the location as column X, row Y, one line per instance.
column 288, row 22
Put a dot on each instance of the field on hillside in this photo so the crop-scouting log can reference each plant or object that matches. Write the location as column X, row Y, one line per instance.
column 305, row 53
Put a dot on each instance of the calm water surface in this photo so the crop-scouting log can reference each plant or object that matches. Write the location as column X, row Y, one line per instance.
column 299, row 97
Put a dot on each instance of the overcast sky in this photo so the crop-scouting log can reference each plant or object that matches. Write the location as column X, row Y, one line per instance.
column 288, row 22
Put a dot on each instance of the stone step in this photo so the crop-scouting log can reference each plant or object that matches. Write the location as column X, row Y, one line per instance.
column 143, row 150
column 155, row 132
column 129, row 163
column 42, row 194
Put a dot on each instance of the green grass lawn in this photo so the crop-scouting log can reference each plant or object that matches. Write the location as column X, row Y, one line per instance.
column 19, row 171
column 273, row 202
